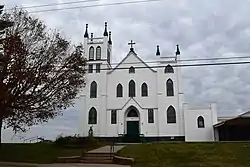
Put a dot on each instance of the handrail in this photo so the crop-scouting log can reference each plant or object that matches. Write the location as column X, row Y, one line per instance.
column 112, row 147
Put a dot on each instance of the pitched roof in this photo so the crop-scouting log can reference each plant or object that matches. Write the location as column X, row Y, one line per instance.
column 131, row 52
column 243, row 115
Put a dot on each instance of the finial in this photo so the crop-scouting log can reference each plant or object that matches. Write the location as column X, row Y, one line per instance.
column 105, row 30
column 158, row 51
column 86, row 35
column 110, row 42
column 91, row 36
column 177, row 50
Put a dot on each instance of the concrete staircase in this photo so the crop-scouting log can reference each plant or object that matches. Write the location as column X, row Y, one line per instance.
column 97, row 158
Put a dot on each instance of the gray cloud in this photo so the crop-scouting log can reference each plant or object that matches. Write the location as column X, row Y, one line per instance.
column 204, row 29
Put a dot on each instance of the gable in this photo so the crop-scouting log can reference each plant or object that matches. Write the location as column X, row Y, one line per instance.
column 132, row 60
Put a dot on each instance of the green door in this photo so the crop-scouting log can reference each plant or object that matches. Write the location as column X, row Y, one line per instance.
column 133, row 127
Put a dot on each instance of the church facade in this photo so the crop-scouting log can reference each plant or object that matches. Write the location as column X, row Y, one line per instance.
column 134, row 98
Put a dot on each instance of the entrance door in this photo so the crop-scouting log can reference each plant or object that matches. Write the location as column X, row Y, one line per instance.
column 133, row 127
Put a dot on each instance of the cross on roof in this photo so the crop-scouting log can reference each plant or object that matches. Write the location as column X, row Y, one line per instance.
column 131, row 43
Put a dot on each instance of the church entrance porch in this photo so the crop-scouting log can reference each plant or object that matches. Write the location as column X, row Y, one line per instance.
column 132, row 125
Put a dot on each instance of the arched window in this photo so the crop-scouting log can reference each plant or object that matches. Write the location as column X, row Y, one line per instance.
column 171, row 115
column 131, row 88
column 91, row 53
column 93, row 89
column 131, row 69
column 170, row 87
column 200, row 122
column 98, row 53
column 144, row 89
column 169, row 69
column 119, row 92
column 92, row 116
column 132, row 113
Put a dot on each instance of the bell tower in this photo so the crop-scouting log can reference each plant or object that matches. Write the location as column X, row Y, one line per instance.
column 98, row 52
column 170, row 96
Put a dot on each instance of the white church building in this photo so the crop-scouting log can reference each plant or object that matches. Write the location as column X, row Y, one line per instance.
column 135, row 99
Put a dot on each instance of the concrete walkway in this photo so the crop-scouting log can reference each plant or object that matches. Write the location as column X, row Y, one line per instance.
column 12, row 164
column 106, row 149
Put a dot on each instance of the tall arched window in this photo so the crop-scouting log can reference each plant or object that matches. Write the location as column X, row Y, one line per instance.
column 169, row 69
column 93, row 89
column 98, row 53
column 131, row 69
column 92, row 116
column 131, row 88
column 171, row 115
column 119, row 92
column 91, row 53
column 144, row 89
column 200, row 122
column 170, row 87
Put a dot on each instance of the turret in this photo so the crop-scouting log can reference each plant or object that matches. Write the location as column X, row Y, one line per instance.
column 177, row 50
column 86, row 35
column 105, row 30
column 158, row 51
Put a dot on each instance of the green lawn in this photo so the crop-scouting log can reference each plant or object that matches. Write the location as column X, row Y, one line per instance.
column 35, row 153
column 189, row 154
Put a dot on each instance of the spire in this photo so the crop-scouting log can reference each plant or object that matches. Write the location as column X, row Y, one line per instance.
column 158, row 51
column 110, row 42
column 177, row 50
column 86, row 35
column 105, row 30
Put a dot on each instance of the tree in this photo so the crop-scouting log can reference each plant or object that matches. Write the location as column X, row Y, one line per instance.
column 41, row 72
column 4, row 24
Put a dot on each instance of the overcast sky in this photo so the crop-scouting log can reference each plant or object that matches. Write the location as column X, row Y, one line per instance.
column 203, row 29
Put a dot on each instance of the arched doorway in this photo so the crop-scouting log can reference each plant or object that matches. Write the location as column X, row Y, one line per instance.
column 132, row 119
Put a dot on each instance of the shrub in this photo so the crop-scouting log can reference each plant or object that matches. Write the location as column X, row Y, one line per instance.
column 76, row 141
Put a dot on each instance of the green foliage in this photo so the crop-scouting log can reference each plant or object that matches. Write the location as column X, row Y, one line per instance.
column 189, row 154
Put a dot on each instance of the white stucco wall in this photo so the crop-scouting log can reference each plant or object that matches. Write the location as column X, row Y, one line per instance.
column 157, row 99
column 191, row 114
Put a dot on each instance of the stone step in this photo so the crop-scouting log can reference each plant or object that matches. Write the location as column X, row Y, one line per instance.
column 97, row 158
column 98, row 154
column 97, row 161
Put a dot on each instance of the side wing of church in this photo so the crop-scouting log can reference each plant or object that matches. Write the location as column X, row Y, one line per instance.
column 134, row 99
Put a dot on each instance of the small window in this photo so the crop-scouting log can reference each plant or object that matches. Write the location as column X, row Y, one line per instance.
column 98, row 53
column 131, row 88
column 169, row 69
column 98, row 68
column 93, row 90
column 90, row 68
column 170, row 87
column 144, row 89
column 171, row 115
column 113, row 116
column 150, row 116
column 119, row 91
column 91, row 53
column 92, row 116
column 131, row 69
column 200, row 122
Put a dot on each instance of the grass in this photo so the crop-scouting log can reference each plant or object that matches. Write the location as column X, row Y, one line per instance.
column 189, row 154
column 36, row 153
